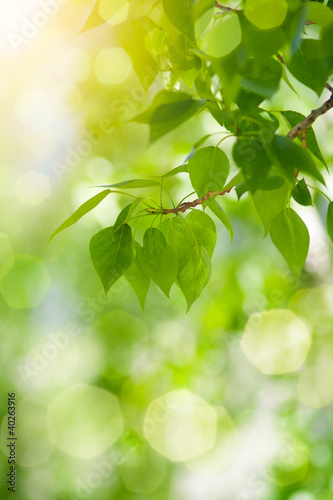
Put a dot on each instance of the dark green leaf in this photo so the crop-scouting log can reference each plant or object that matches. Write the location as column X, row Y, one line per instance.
column 241, row 189
column 112, row 254
column 260, row 44
column 302, row 194
column 194, row 273
column 270, row 203
column 293, row 118
column 168, row 110
column 292, row 157
column 250, row 155
column 158, row 259
column 86, row 207
column 220, row 213
column 208, row 169
column 137, row 278
column 309, row 65
column 291, row 237
column 329, row 220
column 261, row 78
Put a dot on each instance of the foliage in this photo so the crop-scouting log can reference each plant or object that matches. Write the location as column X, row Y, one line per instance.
column 227, row 62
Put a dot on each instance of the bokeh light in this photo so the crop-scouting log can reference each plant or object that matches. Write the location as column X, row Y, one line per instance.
column 84, row 421
column 276, row 341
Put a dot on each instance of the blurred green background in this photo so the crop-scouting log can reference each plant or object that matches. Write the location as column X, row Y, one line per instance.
column 232, row 401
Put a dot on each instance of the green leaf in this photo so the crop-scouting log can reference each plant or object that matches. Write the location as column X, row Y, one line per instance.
column 201, row 228
column 329, row 220
column 138, row 278
column 220, row 213
column 185, row 64
column 208, row 169
column 258, row 43
column 172, row 228
column 251, row 157
column 194, row 273
column 126, row 214
column 133, row 184
column 112, row 254
column 270, row 203
column 223, row 38
column 302, row 194
column 180, row 14
column 94, row 19
column 168, row 111
column 262, row 78
column 158, row 259
column 293, row 118
column 291, row 237
column 134, row 42
column 319, row 14
column 309, row 66
column 266, row 15
column 177, row 170
column 292, row 157
column 86, row 207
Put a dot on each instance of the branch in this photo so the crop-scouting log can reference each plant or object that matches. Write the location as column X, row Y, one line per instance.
column 304, row 125
column 191, row 204
column 223, row 7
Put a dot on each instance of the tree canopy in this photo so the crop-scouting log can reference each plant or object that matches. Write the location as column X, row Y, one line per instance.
column 226, row 62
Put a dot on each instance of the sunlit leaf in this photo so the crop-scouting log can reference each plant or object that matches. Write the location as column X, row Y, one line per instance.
column 220, row 213
column 201, row 228
column 208, row 169
column 86, row 207
column 133, row 184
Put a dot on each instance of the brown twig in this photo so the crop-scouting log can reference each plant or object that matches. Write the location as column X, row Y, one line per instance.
column 191, row 204
column 303, row 126
column 223, row 7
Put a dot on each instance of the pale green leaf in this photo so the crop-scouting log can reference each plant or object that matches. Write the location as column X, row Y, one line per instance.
column 133, row 184
column 86, row 207
column 199, row 227
column 220, row 213
column 208, row 169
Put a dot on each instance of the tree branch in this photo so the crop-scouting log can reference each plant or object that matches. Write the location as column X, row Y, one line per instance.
column 304, row 125
column 199, row 201
column 223, row 7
